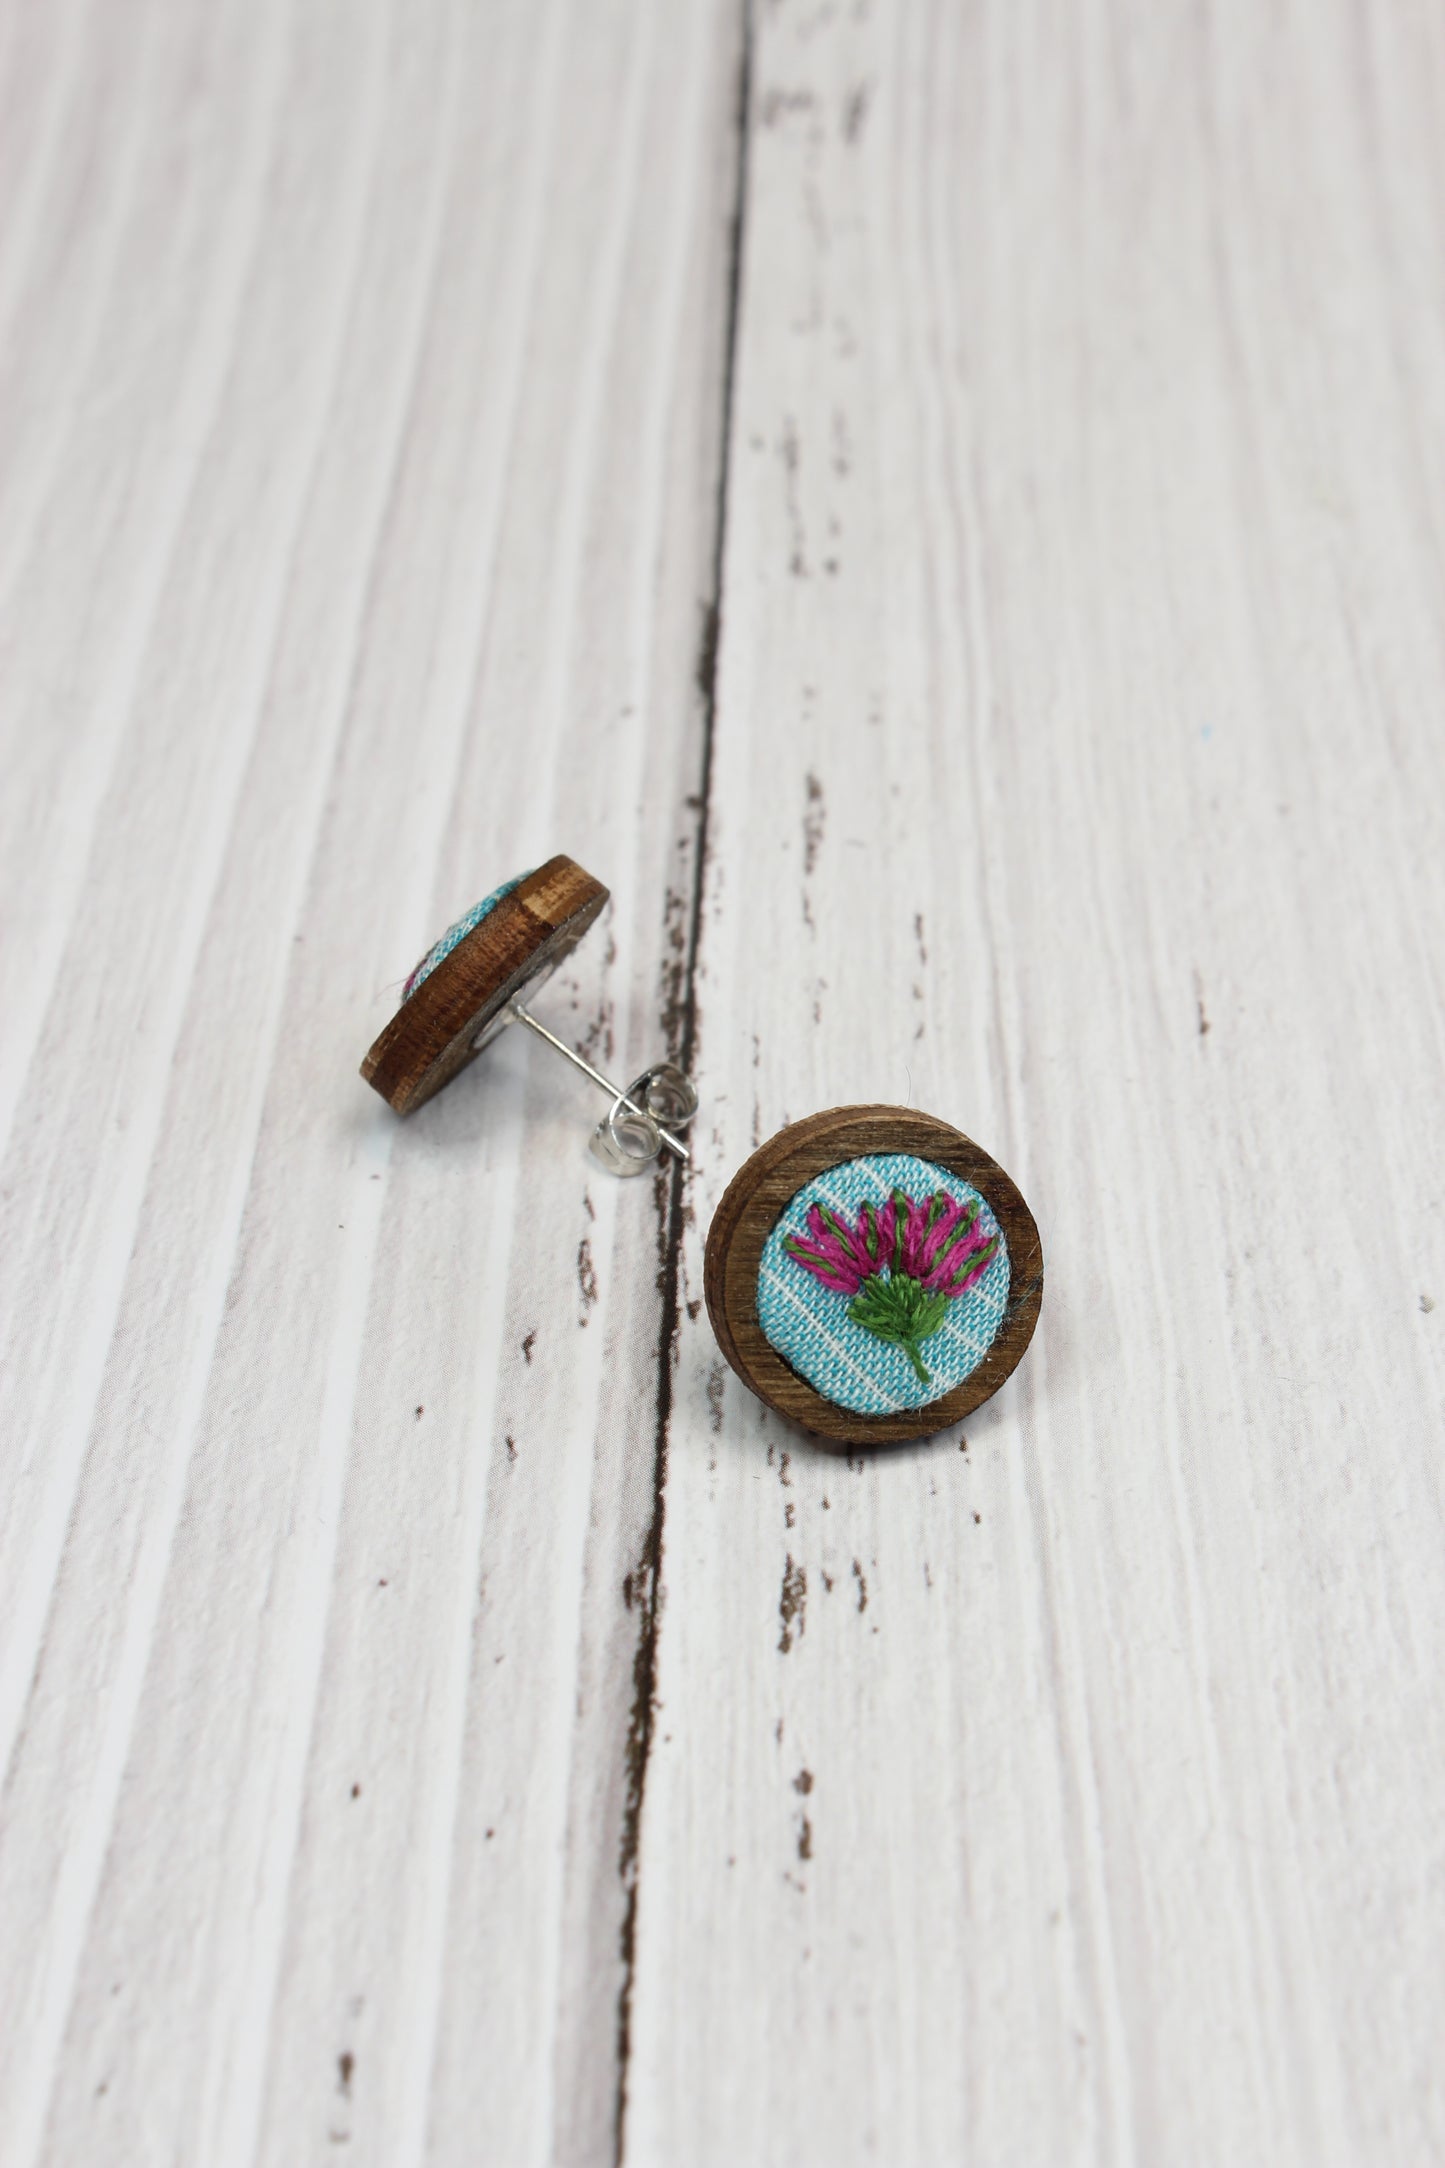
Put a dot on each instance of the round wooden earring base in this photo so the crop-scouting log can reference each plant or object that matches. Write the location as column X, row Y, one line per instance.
column 434, row 1033
column 756, row 1198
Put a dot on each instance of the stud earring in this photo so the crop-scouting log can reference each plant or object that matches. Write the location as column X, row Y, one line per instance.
column 469, row 987
column 873, row 1275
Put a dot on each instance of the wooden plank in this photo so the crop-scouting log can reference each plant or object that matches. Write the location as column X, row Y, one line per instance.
column 443, row 1716
column 317, row 1653
column 1067, row 1790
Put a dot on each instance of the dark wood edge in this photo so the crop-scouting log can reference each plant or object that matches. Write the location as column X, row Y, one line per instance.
column 432, row 1036
column 761, row 1190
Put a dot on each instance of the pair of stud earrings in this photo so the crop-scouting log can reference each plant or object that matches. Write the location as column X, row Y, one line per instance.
column 870, row 1272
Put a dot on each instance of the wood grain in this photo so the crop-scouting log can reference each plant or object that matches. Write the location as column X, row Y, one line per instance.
column 439, row 1028
column 1060, row 1791
column 365, row 545
column 939, row 506
column 761, row 1190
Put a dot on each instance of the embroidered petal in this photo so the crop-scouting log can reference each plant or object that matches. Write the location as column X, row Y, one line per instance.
column 827, row 1264
column 951, row 1237
column 964, row 1269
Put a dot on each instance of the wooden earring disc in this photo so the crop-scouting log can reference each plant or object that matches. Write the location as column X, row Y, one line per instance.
column 523, row 937
column 762, row 1189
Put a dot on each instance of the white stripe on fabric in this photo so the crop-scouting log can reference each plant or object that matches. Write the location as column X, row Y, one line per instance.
column 776, row 1280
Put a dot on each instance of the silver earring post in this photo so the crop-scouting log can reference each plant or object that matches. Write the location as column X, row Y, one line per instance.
column 641, row 1120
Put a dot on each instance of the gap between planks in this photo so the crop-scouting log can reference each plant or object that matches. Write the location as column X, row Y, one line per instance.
column 671, row 1182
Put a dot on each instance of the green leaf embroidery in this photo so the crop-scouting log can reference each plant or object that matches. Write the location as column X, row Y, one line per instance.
column 900, row 1311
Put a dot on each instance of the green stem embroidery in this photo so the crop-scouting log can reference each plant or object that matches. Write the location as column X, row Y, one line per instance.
column 902, row 1312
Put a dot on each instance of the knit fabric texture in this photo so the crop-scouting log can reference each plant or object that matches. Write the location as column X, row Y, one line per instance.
column 809, row 1326
column 458, row 932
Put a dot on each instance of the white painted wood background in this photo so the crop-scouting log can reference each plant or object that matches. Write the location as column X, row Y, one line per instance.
column 443, row 1718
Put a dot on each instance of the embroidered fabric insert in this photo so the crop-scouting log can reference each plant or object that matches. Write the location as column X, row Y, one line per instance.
column 458, row 932
column 808, row 1321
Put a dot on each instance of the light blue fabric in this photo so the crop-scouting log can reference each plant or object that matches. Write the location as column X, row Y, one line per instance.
column 809, row 1325
column 459, row 932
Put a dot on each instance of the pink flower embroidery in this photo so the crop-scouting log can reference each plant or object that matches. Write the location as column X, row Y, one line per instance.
column 843, row 1257
column 902, row 1265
